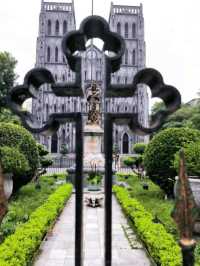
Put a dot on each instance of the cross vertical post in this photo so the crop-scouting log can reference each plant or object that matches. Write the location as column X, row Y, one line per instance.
column 79, row 192
column 108, row 143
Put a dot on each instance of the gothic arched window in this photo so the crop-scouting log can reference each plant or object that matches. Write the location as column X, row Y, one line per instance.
column 48, row 54
column 57, row 29
column 133, row 58
column 116, row 135
column 64, row 27
column 49, row 27
column 63, row 78
column 54, row 143
column 63, row 136
column 118, row 28
column 133, row 30
column 56, row 77
column 126, row 80
column 47, row 109
column 126, row 30
column 118, row 79
column 56, row 54
column 126, row 57
column 63, row 108
column 75, row 106
column 55, row 108
column 125, row 144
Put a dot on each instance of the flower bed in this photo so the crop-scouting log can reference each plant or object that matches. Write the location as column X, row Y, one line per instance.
column 160, row 244
column 19, row 248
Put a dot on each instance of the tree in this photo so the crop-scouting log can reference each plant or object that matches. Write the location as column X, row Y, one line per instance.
column 7, row 116
column 44, row 162
column 192, row 159
column 7, row 74
column 158, row 106
column 139, row 148
column 187, row 116
column 160, row 152
column 17, row 137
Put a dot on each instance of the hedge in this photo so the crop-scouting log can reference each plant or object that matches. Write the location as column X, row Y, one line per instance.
column 19, row 248
column 161, row 245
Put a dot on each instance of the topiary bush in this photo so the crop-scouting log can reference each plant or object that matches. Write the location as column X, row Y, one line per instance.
column 15, row 136
column 13, row 161
column 159, row 155
column 192, row 159
column 129, row 161
column 139, row 148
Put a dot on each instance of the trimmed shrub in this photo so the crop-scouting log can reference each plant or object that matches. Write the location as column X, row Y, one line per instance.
column 192, row 159
column 129, row 161
column 13, row 161
column 160, row 152
column 19, row 248
column 139, row 148
column 160, row 244
column 15, row 136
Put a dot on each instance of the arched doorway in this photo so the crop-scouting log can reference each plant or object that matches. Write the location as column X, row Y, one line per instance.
column 125, row 144
column 54, row 143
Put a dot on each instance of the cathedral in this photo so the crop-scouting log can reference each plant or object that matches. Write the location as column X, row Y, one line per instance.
column 56, row 19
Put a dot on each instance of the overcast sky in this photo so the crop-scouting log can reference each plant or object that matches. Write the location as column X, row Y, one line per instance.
column 172, row 35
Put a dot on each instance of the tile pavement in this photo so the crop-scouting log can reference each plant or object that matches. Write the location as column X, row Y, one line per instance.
column 58, row 247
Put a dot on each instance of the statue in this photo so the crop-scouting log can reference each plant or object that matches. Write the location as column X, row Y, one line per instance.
column 93, row 100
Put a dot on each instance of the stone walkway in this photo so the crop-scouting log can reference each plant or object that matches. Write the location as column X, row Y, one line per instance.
column 58, row 247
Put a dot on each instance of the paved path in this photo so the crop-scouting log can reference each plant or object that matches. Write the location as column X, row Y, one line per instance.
column 58, row 247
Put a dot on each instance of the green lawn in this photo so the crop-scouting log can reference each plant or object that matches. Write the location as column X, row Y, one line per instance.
column 153, row 201
column 25, row 201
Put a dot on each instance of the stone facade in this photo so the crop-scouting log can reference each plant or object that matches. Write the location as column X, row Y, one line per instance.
column 56, row 19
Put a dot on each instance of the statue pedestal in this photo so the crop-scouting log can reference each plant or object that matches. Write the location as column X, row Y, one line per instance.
column 93, row 135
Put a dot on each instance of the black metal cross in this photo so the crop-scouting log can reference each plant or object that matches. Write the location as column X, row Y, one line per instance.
column 93, row 27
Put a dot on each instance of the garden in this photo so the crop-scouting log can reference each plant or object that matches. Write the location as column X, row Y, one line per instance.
column 148, row 200
column 32, row 200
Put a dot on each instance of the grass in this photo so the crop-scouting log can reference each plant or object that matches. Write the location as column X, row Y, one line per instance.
column 153, row 200
column 25, row 201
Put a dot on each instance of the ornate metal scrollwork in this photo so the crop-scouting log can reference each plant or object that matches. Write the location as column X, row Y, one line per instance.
column 93, row 27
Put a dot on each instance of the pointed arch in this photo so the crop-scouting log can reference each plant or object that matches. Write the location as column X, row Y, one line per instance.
column 57, row 28
column 133, row 30
column 126, row 57
column 126, row 30
column 49, row 27
column 56, row 54
column 119, row 28
column 63, row 136
column 54, row 143
column 47, row 110
column 63, row 108
column 133, row 57
column 48, row 54
column 65, row 27
column 126, row 80
column 75, row 105
column 125, row 144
